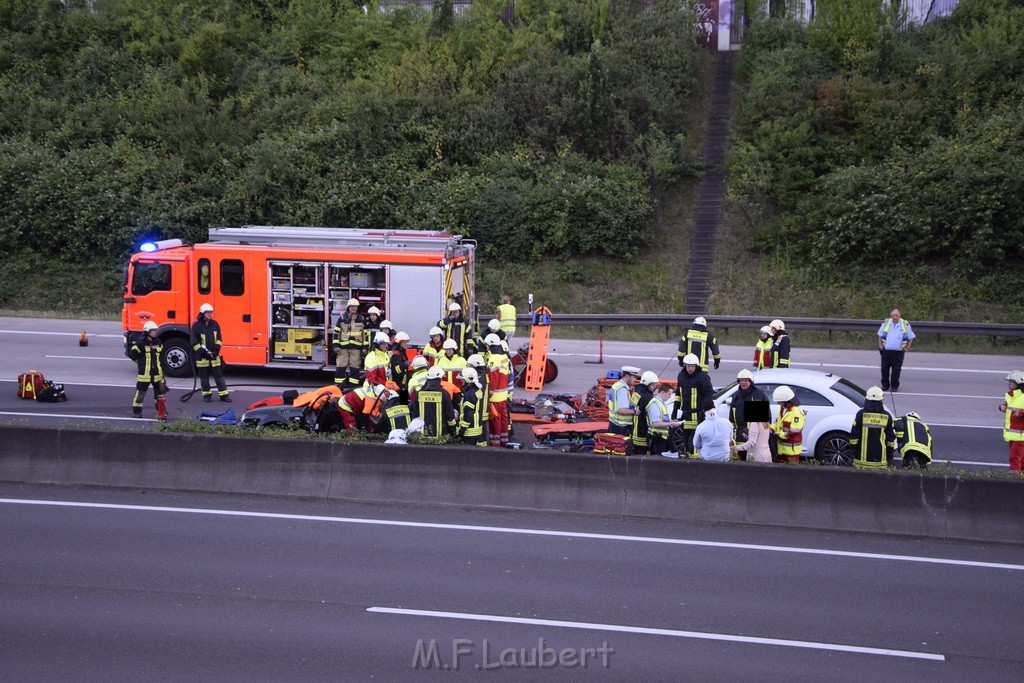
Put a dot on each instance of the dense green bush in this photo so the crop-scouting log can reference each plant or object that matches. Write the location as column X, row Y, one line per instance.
column 538, row 134
column 864, row 142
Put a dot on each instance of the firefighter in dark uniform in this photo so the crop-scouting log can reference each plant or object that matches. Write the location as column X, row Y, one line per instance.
column 396, row 412
column 145, row 351
column 914, row 441
column 701, row 343
column 206, row 343
column 348, row 346
column 641, row 399
column 400, row 364
column 693, row 387
column 780, row 344
column 434, row 406
column 471, row 410
column 747, row 391
column 872, row 436
column 457, row 328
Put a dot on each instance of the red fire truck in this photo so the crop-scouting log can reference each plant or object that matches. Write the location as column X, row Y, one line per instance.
column 278, row 291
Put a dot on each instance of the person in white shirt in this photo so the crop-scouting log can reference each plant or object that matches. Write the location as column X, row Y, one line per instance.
column 713, row 435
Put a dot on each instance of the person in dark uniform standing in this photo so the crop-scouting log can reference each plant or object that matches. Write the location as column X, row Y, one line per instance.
column 872, row 435
column 145, row 351
column 693, row 387
column 701, row 343
column 206, row 343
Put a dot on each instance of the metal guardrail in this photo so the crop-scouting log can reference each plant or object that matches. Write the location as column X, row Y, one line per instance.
column 725, row 322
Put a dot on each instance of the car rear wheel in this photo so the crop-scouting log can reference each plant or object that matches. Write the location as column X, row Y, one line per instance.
column 834, row 449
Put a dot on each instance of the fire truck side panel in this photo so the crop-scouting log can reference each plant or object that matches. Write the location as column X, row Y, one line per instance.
column 415, row 299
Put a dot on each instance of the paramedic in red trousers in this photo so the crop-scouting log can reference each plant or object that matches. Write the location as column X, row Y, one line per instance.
column 620, row 405
column 693, row 387
column 1013, row 423
column 895, row 337
column 377, row 366
column 789, row 427
column 499, row 370
column 780, row 344
column 206, row 343
column 700, row 343
column 146, row 354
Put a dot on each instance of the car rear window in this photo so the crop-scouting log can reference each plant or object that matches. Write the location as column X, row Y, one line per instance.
column 848, row 389
column 724, row 390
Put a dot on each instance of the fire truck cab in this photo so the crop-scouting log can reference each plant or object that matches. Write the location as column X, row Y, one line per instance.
column 277, row 292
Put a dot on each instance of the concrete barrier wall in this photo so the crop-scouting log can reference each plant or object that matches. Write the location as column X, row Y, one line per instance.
column 836, row 499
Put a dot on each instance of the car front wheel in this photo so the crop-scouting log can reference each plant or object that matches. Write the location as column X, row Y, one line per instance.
column 834, row 449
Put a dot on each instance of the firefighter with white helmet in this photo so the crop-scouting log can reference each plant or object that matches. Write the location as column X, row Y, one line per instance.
column 206, row 344
column 1013, row 421
column 399, row 362
column 763, row 349
column 746, row 391
column 780, row 344
column 789, row 427
column 347, row 345
column 417, row 375
column 451, row 362
column 435, row 346
column 643, row 394
column 701, row 343
column 388, row 328
column 914, row 441
column 373, row 321
column 456, row 327
column 499, row 385
column 872, row 436
column 145, row 351
column 377, row 365
column 434, row 406
column 479, row 363
column 693, row 387
column 472, row 419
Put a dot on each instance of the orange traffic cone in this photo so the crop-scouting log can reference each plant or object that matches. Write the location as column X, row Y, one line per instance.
column 83, row 340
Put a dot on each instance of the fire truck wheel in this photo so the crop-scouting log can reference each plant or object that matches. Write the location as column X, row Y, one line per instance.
column 177, row 357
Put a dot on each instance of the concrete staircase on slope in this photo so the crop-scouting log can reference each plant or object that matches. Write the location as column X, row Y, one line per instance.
column 711, row 189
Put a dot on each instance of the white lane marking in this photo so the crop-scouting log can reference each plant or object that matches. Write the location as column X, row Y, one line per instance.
column 87, row 417
column 517, row 530
column 958, row 426
column 88, row 357
column 698, row 635
column 972, row 462
column 64, row 334
column 804, row 365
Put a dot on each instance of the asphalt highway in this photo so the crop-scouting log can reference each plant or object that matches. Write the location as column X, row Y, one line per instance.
column 108, row 585
column 956, row 394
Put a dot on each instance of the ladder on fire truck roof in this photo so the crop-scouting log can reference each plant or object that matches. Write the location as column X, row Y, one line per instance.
column 338, row 238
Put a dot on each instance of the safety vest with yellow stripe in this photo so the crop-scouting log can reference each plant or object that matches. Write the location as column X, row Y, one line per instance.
column 663, row 416
column 914, row 436
column 507, row 318
column 763, row 353
column 872, row 436
column 903, row 326
column 614, row 416
column 790, row 430
column 1013, row 426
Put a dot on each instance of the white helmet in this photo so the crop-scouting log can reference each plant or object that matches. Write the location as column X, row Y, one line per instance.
column 206, row 308
column 913, row 416
column 699, row 320
column 782, row 394
column 377, row 389
column 149, row 326
column 468, row 375
column 494, row 324
column 387, row 324
column 492, row 340
column 648, row 378
column 477, row 360
column 401, row 336
column 777, row 324
column 875, row 394
column 450, row 344
column 766, row 330
column 381, row 338
column 353, row 302
column 1016, row 376
column 454, row 307
column 691, row 359
column 436, row 330
column 504, row 346
column 745, row 374
column 419, row 362
column 373, row 310
column 435, row 372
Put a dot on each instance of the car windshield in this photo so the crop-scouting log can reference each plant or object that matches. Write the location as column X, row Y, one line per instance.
column 724, row 390
column 851, row 391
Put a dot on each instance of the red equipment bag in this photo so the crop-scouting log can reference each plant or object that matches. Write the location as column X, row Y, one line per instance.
column 30, row 385
column 610, row 444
